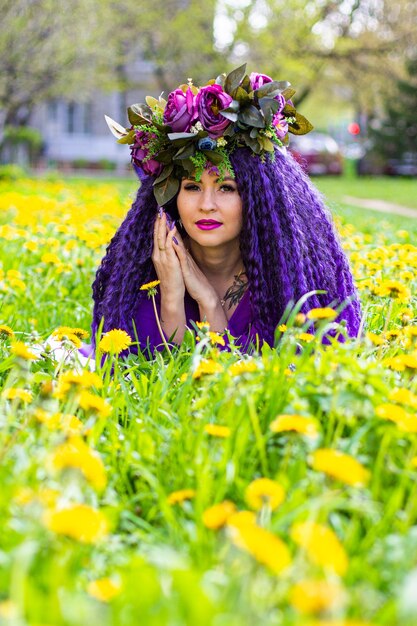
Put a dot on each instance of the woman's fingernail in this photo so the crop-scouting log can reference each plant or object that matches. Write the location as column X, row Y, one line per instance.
column 160, row 211
column 175, row 240
column 169, row 221
column 172, row 226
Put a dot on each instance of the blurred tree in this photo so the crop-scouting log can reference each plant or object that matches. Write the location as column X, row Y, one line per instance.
column 395, row 132
column 49, row 51
column 351, row 45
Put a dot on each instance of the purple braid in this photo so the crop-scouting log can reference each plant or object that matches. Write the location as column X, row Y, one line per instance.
column 288, row 244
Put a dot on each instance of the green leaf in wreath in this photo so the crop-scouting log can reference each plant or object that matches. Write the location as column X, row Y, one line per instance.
column 288, row 93
column 139, row 114
column 250, row 142
column 129, row 138
column 269, row 107
column 115, row 128
column 234, row 79
column 221, row 79
column 185, row 152
column 271, row 89
column 301, row 126
column 252, row 116
column 214, row 157
column 266, row 144
column 166, row 190
column 165, row 173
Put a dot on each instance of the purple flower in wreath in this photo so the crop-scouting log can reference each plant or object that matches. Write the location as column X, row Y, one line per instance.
column 140, row 153
column 210, row 100
column 180, row 111
column 259, row 80
column 281, row 125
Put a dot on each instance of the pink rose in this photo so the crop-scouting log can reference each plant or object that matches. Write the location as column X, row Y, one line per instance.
column 258, row 80
column 281, row 125
column 210, row 100
column 180, row 111
column 140, row 151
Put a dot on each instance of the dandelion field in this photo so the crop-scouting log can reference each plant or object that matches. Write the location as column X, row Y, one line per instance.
column 206, row 487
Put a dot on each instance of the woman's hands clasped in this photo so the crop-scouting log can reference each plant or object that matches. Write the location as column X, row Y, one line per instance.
column 176, row 268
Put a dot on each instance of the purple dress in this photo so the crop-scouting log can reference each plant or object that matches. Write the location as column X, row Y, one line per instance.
column 241, row 326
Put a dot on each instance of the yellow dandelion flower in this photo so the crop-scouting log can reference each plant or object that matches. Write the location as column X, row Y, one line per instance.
column 104, row 589
column 405, row 421
column 325, row 313
column 203, row 325
column 403, row 396
column 176, row 497
column 300, row 319
column 242, row 518
column 341, row 466
column 95, row 404
column 216, row 430
column 64, row 331
column 217, row 515
column 17, row 283
column 50, row 258
column 242, row 367
column 316, row 596
column 6, row 332
column 402, row 362
column 394, row 289
column 73, row 381
column 216, row 339
column 264, row 491
column 321, row 545
column 265, row 547
column 21, row 350
column 150, row 286
column 377, row 340
column 14, row 393
column 74, row 453
column 282, row 328
column 115, row 341
column 78, row 521
column 298, row 423
column 306, row 337
column 207, row 366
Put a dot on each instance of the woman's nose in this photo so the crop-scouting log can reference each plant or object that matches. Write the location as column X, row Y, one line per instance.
column 208, row 200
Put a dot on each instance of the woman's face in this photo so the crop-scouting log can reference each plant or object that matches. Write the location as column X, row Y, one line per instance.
column 210, row 210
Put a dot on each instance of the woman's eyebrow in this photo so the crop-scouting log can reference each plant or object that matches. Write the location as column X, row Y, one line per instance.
column 220, row 180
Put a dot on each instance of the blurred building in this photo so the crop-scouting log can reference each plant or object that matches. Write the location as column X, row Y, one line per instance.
column 75, row 132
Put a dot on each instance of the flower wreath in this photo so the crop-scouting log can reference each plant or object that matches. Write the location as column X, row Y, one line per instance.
column 200, row 126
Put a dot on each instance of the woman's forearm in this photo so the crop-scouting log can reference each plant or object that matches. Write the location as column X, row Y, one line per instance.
column 173, row 317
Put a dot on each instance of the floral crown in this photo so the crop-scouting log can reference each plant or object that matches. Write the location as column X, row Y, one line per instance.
column 197, row 127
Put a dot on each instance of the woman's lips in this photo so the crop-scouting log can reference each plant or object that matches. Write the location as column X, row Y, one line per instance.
column 207, row 224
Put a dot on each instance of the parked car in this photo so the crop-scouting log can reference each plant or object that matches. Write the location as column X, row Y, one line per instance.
column 372, row 164
column 317, row 153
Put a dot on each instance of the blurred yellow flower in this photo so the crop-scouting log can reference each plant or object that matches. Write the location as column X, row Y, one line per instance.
column 73, row 381
column 299, row 319
column 377, row 340
column 104, row 589
column 407, row 422
column 321, row 545
column 242, row 518
column 115, row 341
column 217, row 431
column 203, row 326
column 215, row 339
column 21, row 350
column 264, row 546
column 75, row 335
column 264, row 492
column 307, row 337
column 76, row 454
column 402, row 362
column 242, row 367
column 6, row 332
column 217, row 515
column 95, row 404
column 308, row 426
column 78, row 521
column 341, row 466
column 325, row 313
column 394, row 289
column 403, row 396
column 207, row 366
column 50, row 258
column 316, row 596
column 282, row 328
column 176, row 497
column 15, row 393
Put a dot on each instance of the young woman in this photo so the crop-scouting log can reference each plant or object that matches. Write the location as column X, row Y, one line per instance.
column 225, row 219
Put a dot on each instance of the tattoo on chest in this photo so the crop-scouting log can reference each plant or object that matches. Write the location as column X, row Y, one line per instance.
column 235, row 292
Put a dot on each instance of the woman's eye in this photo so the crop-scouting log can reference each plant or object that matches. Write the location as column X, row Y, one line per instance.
column 227, row 188
column 191, row 187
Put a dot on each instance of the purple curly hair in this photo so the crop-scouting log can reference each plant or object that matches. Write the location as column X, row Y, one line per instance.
column 288, row 245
